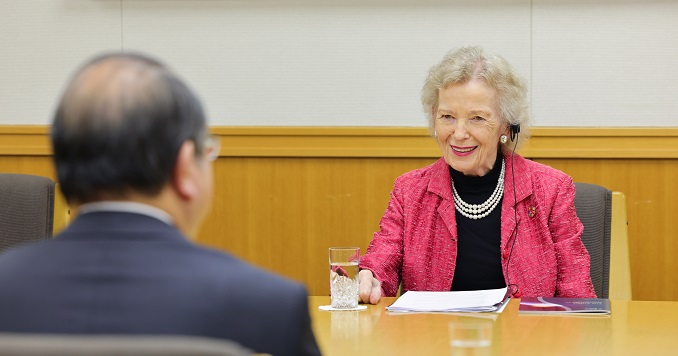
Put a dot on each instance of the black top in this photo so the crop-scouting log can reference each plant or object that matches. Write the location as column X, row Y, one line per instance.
column 478, row 246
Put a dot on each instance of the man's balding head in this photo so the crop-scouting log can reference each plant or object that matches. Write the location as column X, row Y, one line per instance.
column 119, row 126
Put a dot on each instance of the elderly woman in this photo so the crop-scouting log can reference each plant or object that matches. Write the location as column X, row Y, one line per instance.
column 481, row 217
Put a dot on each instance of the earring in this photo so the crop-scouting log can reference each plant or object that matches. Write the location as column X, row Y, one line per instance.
column 435, row 134
column 503, row 139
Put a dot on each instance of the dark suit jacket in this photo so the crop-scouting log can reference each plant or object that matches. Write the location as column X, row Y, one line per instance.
column 125, row 273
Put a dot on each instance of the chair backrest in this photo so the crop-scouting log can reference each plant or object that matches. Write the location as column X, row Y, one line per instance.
column 27, row 209
column 603, row 214
column 20, row 344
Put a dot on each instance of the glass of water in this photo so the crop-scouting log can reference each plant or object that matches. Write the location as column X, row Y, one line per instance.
column 344, row 277
column 471, row 337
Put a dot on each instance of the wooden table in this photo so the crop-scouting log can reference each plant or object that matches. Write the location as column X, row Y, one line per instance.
column 634, row 328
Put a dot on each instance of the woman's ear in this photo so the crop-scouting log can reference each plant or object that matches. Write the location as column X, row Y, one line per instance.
column 185, row 175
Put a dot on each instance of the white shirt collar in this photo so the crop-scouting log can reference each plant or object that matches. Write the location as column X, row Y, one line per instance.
column 126, row 207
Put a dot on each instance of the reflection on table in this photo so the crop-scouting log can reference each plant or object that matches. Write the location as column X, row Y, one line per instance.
column 634, row 328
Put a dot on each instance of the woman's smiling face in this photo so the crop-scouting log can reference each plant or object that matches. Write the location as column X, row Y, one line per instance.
column 468, row 126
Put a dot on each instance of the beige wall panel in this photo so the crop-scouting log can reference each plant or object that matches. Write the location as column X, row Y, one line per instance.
column 604, row 63
column 36, row 165
column 310, row 62
column 352, row 62
column 42, row 43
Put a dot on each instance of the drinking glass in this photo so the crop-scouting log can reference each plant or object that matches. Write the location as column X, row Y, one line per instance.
column 471, row 337
column 344, row 277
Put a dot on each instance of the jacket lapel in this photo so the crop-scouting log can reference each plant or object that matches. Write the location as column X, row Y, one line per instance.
column 513, row 195
column 441, row 185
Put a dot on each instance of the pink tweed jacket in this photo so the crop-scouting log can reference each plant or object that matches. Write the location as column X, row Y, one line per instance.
column 417, row 240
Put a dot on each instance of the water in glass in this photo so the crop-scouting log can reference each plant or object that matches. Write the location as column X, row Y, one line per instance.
column 344, row 285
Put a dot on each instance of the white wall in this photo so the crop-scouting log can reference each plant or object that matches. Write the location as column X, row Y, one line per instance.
column 352, row 62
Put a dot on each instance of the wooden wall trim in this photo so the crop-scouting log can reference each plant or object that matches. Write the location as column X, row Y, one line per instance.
column 25, row 141
column 412, row 142
column 602, row 143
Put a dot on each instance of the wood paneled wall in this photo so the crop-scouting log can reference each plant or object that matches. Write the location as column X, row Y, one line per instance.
column 284, row 195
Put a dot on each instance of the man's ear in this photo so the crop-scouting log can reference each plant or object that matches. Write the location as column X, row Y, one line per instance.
column 185, row 175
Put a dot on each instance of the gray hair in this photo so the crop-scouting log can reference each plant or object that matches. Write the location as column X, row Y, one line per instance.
column 466, row 63
column 119, row 126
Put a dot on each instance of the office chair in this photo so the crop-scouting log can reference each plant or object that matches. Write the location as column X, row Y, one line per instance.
column 603, row 214
column 20, row 344
column 27, row 209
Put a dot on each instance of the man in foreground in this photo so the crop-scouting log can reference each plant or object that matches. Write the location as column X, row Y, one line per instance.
column 133, row 157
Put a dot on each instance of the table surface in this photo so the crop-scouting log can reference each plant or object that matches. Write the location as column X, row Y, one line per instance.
column 633, row 328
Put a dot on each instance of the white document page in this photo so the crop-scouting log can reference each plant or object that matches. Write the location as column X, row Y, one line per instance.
column 464, row 301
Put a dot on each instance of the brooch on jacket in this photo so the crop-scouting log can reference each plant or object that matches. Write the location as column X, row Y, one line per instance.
column 531, row 211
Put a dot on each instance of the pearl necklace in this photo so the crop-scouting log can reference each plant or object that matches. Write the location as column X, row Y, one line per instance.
column 479, row 211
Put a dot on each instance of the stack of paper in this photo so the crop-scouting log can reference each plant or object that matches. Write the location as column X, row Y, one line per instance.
column 490, row 300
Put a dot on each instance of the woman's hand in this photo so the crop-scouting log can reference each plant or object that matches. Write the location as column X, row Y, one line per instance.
column 369, row 288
